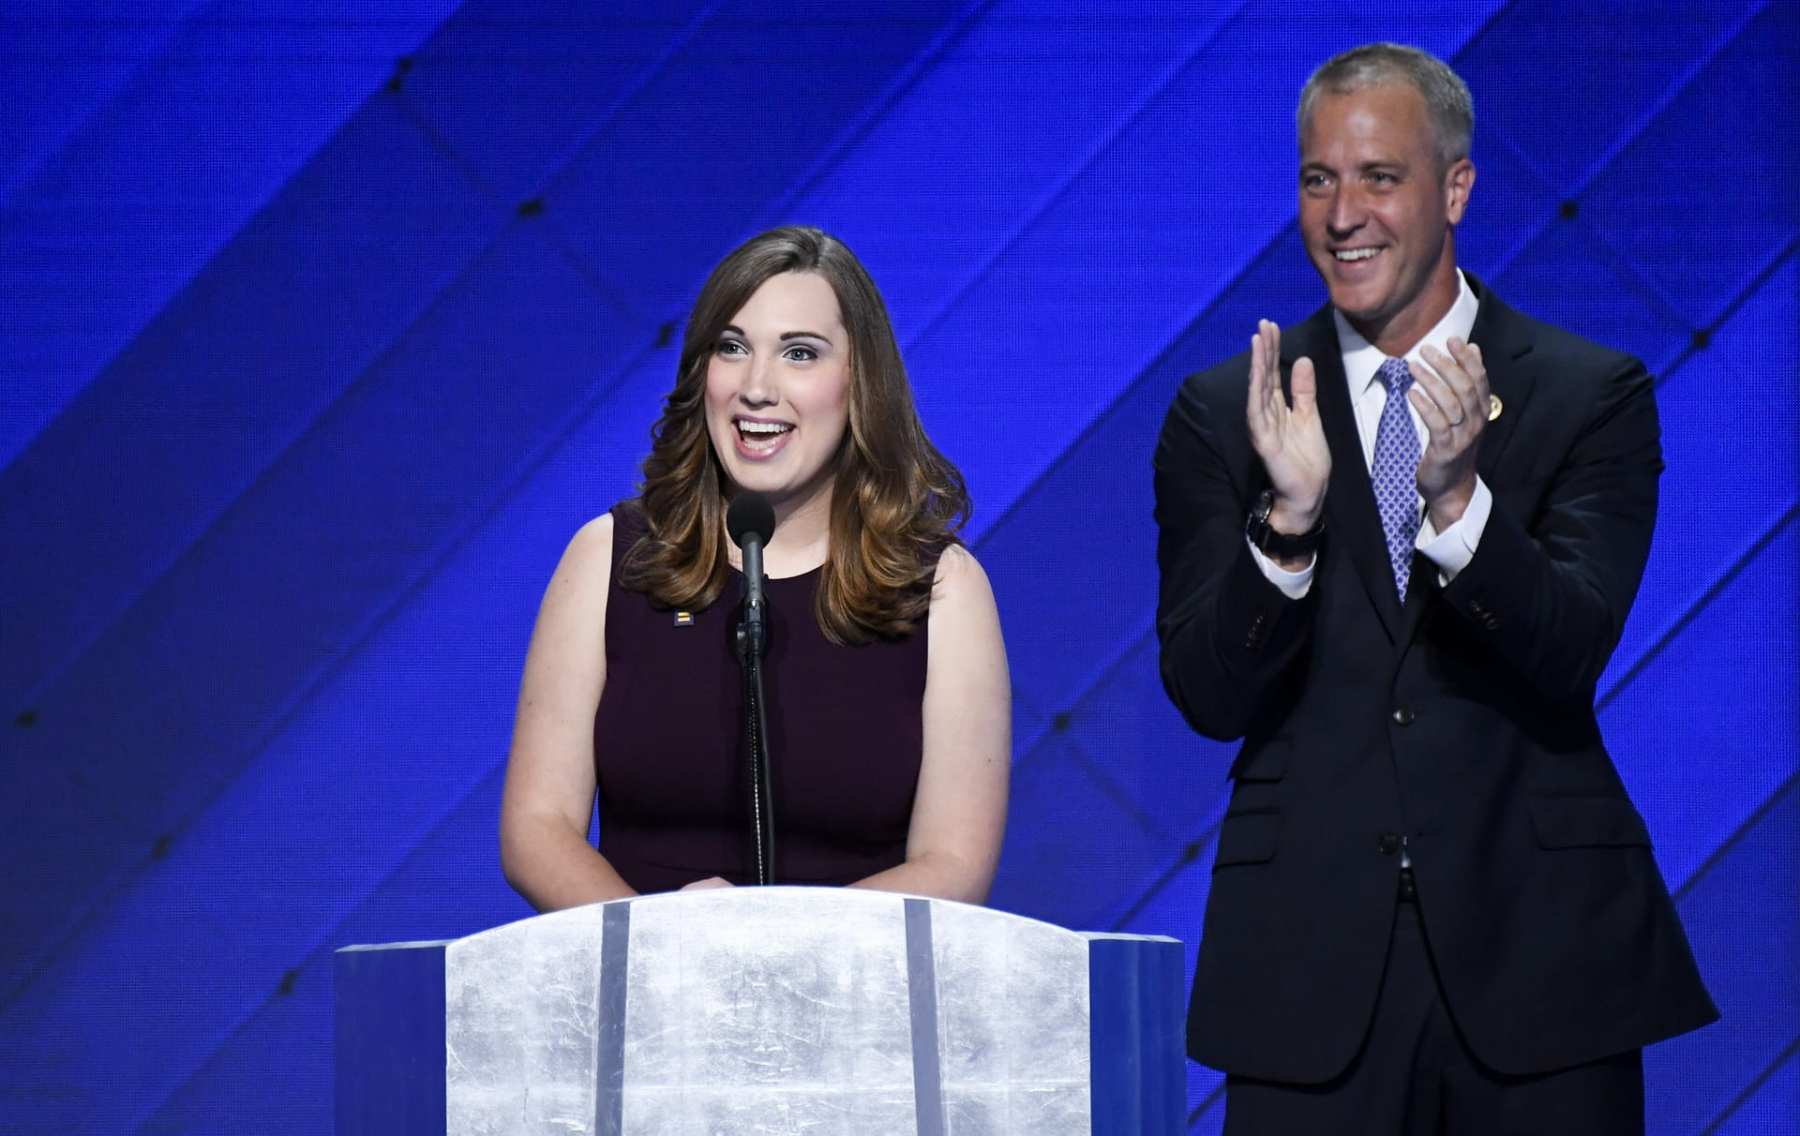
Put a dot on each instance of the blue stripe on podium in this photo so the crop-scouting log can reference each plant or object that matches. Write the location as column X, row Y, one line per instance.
column 615, row 973
column 921, row 987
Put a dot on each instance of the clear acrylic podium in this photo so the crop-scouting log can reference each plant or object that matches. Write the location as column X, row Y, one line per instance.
column 763, row 1010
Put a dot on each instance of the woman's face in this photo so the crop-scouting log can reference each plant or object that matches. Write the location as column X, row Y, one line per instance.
column 778, row 389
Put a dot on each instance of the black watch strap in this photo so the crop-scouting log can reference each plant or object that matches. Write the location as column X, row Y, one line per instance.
column 1278, row 545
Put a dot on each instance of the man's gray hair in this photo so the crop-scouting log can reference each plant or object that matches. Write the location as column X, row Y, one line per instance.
column 1446, row 96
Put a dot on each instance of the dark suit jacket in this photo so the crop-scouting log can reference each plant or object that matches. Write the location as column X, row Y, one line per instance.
column 1463, row 722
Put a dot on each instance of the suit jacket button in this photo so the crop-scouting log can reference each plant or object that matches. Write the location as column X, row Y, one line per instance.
column 1403, row 716
column 1388, row 844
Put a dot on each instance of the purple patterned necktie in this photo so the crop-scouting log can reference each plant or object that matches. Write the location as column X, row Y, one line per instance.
column 1395, row 472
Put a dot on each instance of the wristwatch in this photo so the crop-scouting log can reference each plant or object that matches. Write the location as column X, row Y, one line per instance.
column 1279, row 545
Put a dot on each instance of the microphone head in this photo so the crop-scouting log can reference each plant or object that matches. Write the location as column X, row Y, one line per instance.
column 750, row 515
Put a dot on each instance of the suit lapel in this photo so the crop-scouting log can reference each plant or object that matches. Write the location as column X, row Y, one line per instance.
column 1352, row 524
column 1501, row 335
column 1505, row 343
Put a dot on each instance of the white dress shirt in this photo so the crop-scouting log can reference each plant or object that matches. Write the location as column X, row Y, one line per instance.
column 1452, row 549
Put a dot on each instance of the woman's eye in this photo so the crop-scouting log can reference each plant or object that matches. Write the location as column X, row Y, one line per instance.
column 802, row 354
column 729, row 347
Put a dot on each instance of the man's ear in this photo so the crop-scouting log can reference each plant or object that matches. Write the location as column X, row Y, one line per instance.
column 1459, row 180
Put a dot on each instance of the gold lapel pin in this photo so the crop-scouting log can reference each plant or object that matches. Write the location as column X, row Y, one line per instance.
column 1494, row 407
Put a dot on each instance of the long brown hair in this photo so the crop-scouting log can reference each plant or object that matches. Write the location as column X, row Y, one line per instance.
column 896, row 502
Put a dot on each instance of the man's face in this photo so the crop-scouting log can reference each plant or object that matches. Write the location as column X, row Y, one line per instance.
column 1376, row 214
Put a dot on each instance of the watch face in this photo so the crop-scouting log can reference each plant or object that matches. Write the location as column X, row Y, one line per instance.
column 1256, row 526
column 1276, row 544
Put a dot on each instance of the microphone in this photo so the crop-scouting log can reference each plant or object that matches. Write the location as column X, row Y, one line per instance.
column 751, row 522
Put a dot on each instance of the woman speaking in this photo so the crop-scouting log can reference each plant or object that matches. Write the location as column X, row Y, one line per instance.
column 886, row 690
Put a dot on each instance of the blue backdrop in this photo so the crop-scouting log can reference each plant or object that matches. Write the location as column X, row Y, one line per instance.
column 321, row 331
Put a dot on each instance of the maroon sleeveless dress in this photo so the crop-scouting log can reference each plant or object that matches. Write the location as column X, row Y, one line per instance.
column 845, row 739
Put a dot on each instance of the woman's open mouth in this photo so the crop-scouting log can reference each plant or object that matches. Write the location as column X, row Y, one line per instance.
column 761, row 437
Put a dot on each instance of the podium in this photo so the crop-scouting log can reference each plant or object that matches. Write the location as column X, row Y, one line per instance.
column 763, row 1010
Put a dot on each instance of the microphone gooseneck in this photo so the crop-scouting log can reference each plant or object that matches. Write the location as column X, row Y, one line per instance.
column 751, row 522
